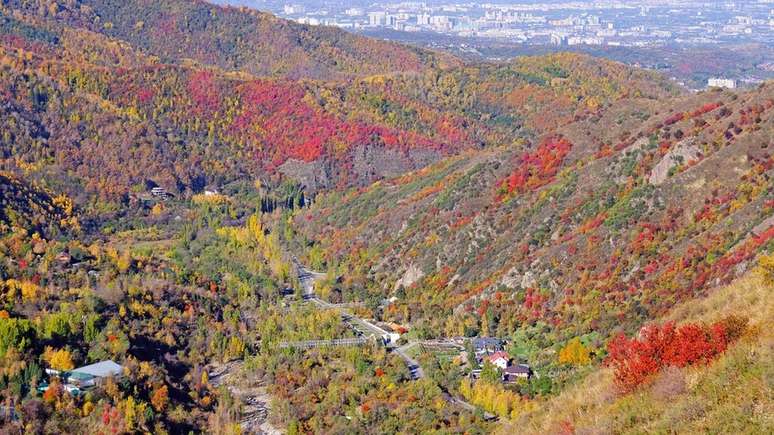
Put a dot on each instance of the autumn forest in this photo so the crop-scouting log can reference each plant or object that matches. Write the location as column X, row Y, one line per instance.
column 213, row 220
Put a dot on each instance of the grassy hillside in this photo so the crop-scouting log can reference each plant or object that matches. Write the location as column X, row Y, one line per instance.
column 732, row 392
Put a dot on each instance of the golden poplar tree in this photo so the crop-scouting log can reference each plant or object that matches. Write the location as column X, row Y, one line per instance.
column 574, row 353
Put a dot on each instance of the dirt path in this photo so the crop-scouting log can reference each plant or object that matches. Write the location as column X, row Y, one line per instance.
column 253, row 396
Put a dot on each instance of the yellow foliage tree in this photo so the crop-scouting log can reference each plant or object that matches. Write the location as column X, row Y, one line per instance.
column 88, row 407
column 60, row 359
column 574, row 353
column 130, row 414
column 255, row 228
column 29, row 290
column 493, row 398
column 236, row 348
column 157, row 209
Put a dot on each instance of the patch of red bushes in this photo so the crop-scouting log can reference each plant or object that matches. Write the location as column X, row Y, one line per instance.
column 538, row 168
column 709, row 107
column 635, row 360
column 677, row 117
column 276, row 117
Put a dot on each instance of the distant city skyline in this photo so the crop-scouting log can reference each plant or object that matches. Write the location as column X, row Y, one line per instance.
column 650, row 23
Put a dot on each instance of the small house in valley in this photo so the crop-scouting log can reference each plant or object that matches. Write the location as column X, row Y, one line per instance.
column 514, row 372
column 499, row 359
column 100, row 371
column 483, row 346
column 160, row 192
column 86, row 377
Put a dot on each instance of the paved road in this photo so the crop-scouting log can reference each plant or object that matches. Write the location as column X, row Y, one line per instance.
column 364, row 327
column 413, row 365
column 417, row 372
column 307, row 277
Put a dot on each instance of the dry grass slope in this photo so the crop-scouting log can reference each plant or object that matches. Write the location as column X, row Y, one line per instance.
column 731, row 395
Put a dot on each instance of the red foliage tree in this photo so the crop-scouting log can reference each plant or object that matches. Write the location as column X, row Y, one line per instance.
column 538, row 168
column 204, row 93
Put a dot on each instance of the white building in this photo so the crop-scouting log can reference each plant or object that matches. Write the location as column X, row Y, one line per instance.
column 721, row 83
column 441, row 22
column 312, row 21
column 294, row 9
column 579, row 40
column 377, row 18
column 557, row 39
column 499, row 359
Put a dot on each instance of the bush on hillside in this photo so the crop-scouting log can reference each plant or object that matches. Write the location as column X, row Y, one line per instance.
column 636, row 360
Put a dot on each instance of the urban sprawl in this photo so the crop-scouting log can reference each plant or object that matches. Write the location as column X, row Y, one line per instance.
column 613, row 23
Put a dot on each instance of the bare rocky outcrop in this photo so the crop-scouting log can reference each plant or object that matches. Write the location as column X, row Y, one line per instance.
column 512, row 278
column 372, row 163
column 369, row 163
column 412, row 275
column 683, row 152
column 253, row 396
column 314, row 175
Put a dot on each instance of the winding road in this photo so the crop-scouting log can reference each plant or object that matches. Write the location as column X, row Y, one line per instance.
column 307, row 279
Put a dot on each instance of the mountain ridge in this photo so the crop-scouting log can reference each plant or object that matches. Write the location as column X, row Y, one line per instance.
column 404, row 117
column 234, row 38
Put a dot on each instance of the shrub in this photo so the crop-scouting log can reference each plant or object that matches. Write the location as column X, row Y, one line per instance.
column 766, row 268
column 538, row 168
column 677, row 117
column 636, row 360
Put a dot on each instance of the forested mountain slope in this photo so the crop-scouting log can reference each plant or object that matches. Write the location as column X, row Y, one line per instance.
column 588, row 228
column 232, row 39
column 199, row 125
column 33, row 208
column 598, row 228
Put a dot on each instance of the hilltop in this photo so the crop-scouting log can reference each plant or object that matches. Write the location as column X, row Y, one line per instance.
column 229, row 38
